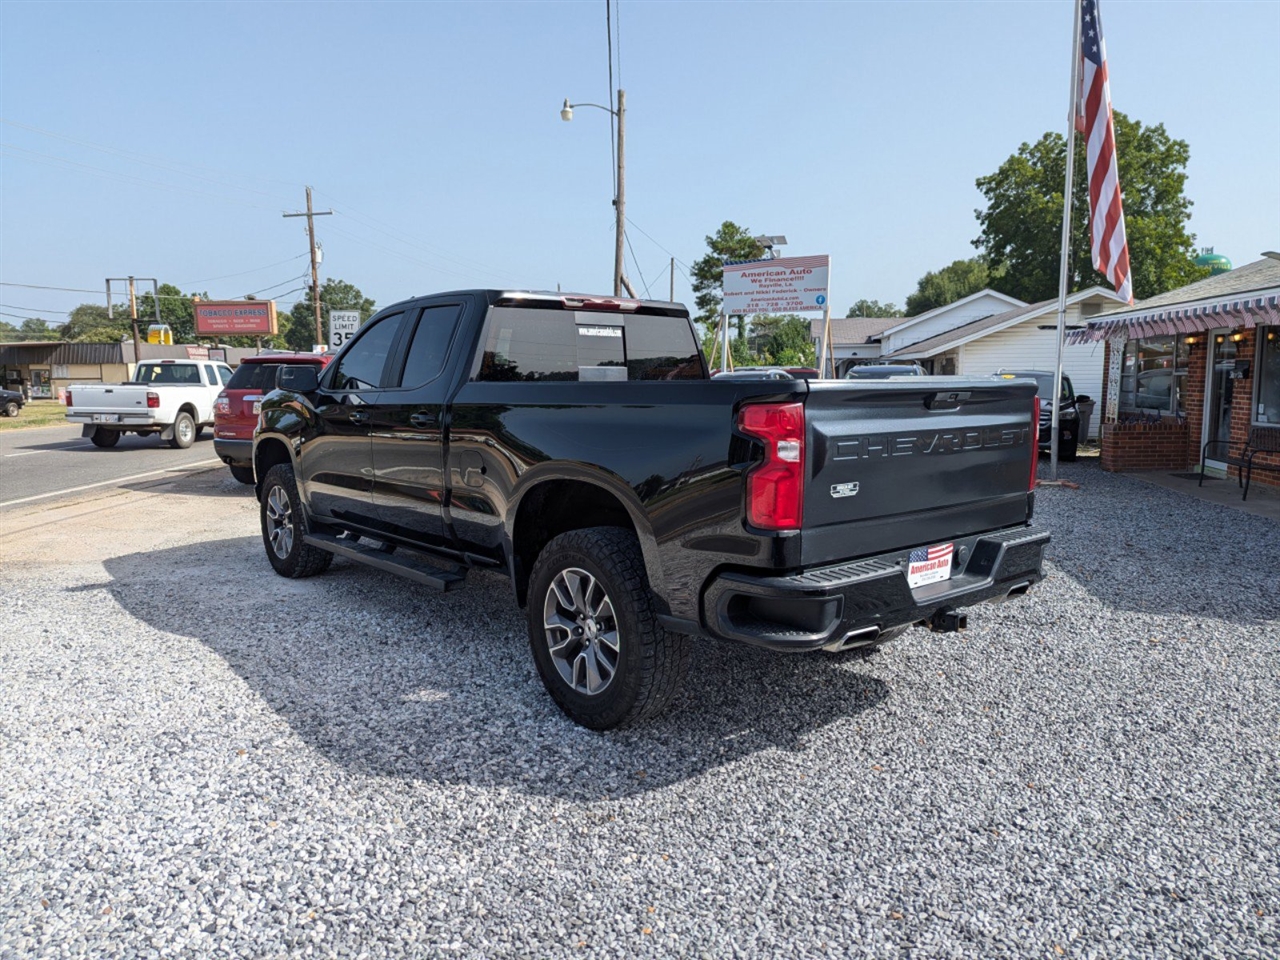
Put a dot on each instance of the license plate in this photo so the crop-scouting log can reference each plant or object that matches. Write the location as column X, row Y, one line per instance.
column 257, row 406
column 106, row 418
column 929, row 564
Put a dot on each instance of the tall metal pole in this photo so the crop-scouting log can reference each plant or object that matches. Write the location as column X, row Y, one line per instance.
column 620, row 201
column 1064, row 262
column 672, row 297
column 133, row 315
column 315, row 273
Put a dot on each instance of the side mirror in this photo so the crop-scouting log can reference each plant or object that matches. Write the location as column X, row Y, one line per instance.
column 298, row 378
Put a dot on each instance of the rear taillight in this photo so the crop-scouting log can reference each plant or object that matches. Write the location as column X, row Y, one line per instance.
column 222, row 405
column 1035, row 441
column 153, row 399
column 775, row 488
column 68, row 398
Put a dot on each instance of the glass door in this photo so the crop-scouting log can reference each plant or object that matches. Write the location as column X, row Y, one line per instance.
column 1218, row 393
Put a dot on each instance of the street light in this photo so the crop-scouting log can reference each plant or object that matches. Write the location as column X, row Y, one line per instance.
column 620, row 201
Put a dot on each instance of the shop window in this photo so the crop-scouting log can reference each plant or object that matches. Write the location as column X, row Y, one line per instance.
column 1153, row 376
column 1267, row 409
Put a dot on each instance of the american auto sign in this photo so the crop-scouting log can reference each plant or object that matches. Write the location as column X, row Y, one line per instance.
column 784, row 285
column 235, row 318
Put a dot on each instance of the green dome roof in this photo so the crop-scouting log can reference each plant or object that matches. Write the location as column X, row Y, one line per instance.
column 1216, row 263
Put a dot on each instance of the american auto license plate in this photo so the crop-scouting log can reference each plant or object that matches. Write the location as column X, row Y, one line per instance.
column 257, row 406
column 106, row 418
column 929, row 564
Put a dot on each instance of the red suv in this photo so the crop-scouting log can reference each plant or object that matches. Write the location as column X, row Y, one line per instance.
column 235, row 413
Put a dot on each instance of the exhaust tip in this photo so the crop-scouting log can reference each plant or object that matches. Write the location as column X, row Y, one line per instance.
column 854, row 638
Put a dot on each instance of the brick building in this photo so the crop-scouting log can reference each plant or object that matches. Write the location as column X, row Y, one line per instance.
column 1192, row 366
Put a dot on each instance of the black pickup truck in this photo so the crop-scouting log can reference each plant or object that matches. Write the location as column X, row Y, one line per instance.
column 579, row 445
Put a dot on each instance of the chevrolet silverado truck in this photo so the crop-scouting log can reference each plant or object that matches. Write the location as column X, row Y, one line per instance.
column 173, row 398
column 578, row 445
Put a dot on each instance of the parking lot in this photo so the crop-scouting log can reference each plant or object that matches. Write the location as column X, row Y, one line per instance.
column 198, row 758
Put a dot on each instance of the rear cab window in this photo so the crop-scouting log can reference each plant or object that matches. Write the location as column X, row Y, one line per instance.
column 547, row 345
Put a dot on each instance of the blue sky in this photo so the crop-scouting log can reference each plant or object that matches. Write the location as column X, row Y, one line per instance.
column 175, row 134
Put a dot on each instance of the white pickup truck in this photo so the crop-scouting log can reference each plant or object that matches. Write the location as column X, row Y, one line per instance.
column 173, row 398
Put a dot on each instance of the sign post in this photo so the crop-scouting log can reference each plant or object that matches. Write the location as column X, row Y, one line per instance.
column 781, row 285
column 343, row 325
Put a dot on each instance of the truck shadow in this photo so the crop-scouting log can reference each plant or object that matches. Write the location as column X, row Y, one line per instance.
column 384, row 678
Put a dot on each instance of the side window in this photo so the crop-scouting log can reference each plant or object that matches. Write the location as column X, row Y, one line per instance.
column 430, row 344
column 211, row 377
column 224, row 374
column 662, row 348
column 540, row 345
column 362, row 365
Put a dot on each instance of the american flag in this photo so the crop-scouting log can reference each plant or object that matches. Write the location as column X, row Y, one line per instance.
column 923, row 554
column 1093, row 119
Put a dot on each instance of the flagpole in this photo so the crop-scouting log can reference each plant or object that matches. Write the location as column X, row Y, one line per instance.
column 1066, row 241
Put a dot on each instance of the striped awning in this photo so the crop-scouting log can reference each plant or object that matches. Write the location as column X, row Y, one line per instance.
column 1186, row 319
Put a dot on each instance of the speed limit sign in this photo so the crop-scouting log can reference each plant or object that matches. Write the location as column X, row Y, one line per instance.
column 343, row 325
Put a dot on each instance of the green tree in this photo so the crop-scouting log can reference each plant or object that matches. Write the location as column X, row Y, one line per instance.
column 33, row 328
column 874, row 308
column 89, row 323
column 1022, row 225
column 8, row 332
column 783, row 340
column 176, row 309
column 298, row 326
column 937, row 288
column 730, row 242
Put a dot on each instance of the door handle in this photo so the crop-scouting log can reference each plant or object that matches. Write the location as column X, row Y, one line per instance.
column 358, row 416
column 423, row 420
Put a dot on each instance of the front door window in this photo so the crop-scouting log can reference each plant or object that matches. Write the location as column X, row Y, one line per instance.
column 1222, row 361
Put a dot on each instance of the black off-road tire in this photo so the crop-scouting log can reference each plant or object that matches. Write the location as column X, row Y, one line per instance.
column 651, row 661
column 102, row 437
column 243, row 474
column 11, row 408
column 299, row 559
column 184, row 431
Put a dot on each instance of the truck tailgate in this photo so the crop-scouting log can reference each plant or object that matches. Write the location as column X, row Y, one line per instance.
column 108, row 397
column 902, row 462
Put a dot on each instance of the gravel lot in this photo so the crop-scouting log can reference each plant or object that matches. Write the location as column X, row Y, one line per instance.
column 198, row 758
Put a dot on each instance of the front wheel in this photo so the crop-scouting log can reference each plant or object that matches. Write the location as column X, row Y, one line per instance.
column 595, row 636
column 11, row 408
column 102, row 437
column 243, row 474
column 284, row 524
column 184, row 431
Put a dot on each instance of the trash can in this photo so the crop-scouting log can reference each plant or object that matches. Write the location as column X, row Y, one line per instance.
column 1085, row 405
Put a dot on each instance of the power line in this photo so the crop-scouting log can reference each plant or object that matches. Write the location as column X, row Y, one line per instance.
column 228, row 276
column 636, row 261
column 656, row 243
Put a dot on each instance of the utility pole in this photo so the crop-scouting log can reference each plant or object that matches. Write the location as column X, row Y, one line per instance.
column 620, row 201
column 315, row 273
column 133, row 315
column 133, row 308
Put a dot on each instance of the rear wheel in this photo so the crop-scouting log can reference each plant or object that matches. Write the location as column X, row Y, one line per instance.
column 102, row 437
column 284, row 524
column 184, row 431
column 11, row 408
column 594, row 632
column 243, row 474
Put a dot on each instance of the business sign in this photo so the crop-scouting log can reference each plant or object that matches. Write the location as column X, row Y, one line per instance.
column 235, row 318
column 343, row 325
column 784, row 285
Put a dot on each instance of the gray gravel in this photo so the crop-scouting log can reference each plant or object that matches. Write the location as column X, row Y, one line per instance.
column 198, row 758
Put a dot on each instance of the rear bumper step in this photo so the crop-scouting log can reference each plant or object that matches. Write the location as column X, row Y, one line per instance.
column 843, row 604
column 401, row 564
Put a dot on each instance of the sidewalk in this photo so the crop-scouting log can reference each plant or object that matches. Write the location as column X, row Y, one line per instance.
column 1264, row 500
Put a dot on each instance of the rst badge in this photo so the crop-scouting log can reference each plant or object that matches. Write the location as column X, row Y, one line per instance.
column 844, row 489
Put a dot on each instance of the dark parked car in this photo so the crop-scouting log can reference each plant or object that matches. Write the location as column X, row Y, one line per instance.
column 577, row 445
column 881, row 371
column 11, row 401
column 1068, row 418
column 235, row 412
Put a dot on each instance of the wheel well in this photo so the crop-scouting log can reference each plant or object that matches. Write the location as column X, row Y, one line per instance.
column 267, row 455
column 188, row 408
column 553, row 508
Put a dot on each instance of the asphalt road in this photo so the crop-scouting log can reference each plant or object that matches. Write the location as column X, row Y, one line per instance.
column 47, row 463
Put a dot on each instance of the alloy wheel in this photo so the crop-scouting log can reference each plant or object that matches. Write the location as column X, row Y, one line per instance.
column 581, row 631
column 280, row 522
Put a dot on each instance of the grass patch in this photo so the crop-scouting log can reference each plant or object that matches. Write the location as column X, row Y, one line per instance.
column 37, row 413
